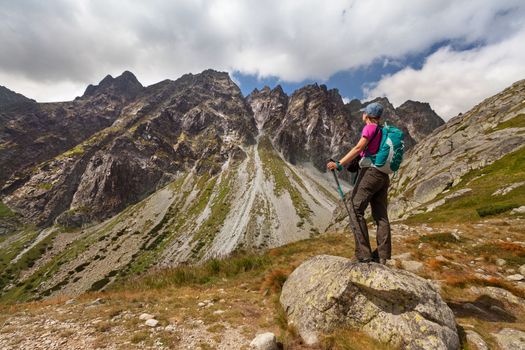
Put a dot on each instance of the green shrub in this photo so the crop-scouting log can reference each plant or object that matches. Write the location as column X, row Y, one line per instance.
column 495, row 209
column 98, row 285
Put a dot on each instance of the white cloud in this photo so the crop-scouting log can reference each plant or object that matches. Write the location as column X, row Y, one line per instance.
column 455, row 81
column 57, row 42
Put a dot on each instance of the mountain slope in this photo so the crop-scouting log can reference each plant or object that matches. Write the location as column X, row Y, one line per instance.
column 256, row 203
column 9, row 98
column 31, row 133
column 467, row 160
column 171, row 126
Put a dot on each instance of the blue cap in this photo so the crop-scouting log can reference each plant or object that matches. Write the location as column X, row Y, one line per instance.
column 373, row 109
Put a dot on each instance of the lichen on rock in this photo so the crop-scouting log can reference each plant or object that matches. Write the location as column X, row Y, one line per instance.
column 391, row 305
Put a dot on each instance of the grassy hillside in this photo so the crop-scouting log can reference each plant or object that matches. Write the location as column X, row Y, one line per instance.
column 480, row 202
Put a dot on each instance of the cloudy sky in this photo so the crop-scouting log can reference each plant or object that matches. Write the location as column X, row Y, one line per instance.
column 450, row 53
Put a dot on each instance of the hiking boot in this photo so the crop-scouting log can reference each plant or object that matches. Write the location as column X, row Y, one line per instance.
column 355, row 259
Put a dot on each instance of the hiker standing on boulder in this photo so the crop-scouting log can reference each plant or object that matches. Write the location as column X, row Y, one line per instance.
column 371, row 186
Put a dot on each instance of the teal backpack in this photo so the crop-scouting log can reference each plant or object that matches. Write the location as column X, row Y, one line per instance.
column 390, row 154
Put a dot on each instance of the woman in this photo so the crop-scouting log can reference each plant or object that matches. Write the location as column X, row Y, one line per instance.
column 371, row 187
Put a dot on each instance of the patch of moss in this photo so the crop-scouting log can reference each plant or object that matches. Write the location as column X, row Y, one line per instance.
column 5, row 211
column 71, row 153
column 45, row 186
column 516, row 122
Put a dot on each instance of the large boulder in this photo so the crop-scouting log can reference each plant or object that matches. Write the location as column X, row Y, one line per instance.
column 391, row 305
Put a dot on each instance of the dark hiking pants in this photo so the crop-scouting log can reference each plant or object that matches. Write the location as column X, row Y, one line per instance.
column 371, row 187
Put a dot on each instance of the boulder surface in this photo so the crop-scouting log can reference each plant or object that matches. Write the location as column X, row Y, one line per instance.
column 393, row 306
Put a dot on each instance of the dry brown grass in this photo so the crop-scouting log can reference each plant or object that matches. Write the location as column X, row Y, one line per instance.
column 515, row 248
column 273, row 281
column 350, row 339
column 434, row 264
column 463, row 279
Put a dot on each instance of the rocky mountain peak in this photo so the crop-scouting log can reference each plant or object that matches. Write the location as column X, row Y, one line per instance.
column 419, row 117
column 269, row 106
column 125, row 85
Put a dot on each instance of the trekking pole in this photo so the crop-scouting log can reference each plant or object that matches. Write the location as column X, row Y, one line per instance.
column 340, row 190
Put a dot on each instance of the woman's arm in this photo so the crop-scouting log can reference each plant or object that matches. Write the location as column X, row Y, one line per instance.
column 350, row 155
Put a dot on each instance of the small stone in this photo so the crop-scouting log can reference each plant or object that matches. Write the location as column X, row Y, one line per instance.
column 412, row 266
column 170, row 328
column 497, row 309
column 71, row 301
column 97, row 301
column 152, row 322
column 146, row 317
column 218, row 312
column 201, row 304
column 516, row 277
column 404, row 256
column 522, row 269
column 456, row 236
column 475, row 338
column 500, row 262
column 520, row 210
column 265, row 341
column 474, row 308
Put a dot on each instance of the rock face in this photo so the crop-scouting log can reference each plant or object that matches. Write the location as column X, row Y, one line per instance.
column 393, row 306
column 486, row 133
column 314, row 127
column 419, row 118
column 269, row 107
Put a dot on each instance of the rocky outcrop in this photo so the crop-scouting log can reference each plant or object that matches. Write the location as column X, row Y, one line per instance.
column 393, row 306
column 125, row 86
column 269, row 107
column 314, row 127
column 419, row 118
column 468, row 142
